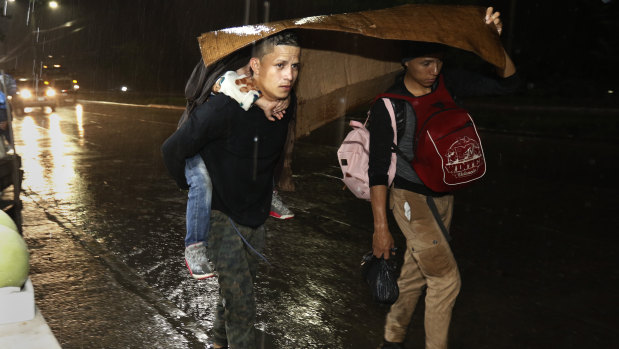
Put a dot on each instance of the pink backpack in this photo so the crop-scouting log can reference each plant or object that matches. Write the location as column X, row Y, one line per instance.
column 354, row 156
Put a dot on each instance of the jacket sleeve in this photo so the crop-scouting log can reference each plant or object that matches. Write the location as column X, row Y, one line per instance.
column 206, row 123
column 381, row 138
column 174, row 162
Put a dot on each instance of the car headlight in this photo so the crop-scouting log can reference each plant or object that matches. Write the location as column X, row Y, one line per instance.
column 50, row 92
column 76, row 87
column 25, row 94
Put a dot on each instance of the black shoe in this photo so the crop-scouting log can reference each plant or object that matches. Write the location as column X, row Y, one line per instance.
column 391, row 345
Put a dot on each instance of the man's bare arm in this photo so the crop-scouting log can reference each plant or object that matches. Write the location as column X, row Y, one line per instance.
column 494, row 17
column 382, row 241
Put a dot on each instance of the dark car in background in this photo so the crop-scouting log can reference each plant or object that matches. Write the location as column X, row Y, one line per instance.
column 34, row 93
column 66, row 89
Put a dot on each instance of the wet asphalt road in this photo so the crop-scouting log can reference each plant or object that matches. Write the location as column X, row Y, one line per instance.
column 534, row 242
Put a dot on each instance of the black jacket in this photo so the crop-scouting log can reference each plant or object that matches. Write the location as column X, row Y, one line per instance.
column 240, row 149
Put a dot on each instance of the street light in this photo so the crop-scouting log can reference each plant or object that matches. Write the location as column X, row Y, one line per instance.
column 53, row 5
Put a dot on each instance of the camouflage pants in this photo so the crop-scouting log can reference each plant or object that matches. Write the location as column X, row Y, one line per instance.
column 236, row 267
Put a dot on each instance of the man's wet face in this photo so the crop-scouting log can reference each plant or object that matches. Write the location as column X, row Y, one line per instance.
column 277, row 72
column 424, row 70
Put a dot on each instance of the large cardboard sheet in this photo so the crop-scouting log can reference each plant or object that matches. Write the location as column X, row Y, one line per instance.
column 349, row 58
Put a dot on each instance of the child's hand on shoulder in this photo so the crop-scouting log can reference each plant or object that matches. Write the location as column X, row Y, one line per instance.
column 273, row 109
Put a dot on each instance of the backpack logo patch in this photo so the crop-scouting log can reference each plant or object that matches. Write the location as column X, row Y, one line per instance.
column 464, row 157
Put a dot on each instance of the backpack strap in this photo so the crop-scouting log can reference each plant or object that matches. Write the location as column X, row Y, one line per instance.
column 389, row 107
column 391, row 114
column 437, row 217
column 396, row 96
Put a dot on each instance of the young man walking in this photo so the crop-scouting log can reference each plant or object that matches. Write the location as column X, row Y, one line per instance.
column 428, row 259
column 240, row 149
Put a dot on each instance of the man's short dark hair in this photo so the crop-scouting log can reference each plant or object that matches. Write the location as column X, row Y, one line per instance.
column 266, row 45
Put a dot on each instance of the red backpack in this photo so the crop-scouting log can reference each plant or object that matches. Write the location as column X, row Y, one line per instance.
column 447, row 147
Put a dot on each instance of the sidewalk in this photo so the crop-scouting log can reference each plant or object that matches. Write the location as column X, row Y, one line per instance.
column 31, row 334
column 89, row 297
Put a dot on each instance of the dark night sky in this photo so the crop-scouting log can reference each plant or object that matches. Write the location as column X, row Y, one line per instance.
column 151, row 44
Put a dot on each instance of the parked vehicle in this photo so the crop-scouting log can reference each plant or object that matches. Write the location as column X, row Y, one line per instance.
column 11, row 174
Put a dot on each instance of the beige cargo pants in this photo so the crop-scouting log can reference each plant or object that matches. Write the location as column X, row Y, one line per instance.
column 428, row 261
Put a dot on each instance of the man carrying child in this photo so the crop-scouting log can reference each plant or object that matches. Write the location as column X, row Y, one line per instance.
column 240, row 150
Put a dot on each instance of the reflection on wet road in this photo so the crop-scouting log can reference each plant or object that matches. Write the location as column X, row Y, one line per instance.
column 101, row 164
column 52, row 171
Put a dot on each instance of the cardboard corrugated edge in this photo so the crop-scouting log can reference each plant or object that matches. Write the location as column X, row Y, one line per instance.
column 338, row 75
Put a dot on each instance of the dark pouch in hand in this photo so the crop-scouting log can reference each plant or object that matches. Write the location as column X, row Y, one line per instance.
column 381, row 276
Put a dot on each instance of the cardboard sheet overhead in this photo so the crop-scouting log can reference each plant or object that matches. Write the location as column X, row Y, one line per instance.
column 348, row 58
column 457, row 26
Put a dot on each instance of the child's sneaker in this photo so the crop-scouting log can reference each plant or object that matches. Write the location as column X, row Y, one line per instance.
column 278, row 209
column 196, row 261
